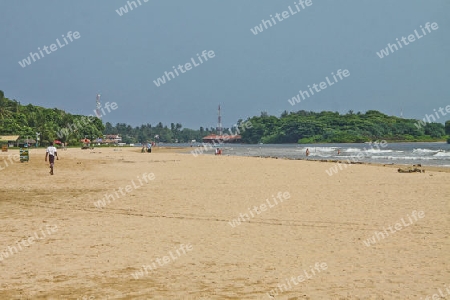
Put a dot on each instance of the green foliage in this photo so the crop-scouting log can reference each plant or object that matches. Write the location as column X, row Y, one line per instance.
column 294, row 127
column 331, row 127
column 158, row 133
column 16, row 119
column 447, row 130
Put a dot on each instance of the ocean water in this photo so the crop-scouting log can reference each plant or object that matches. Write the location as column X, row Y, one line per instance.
column 427, row 154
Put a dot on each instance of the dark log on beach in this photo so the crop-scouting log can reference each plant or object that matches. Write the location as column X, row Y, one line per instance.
column 410, row 170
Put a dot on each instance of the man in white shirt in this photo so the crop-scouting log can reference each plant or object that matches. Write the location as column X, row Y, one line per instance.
column 51, row 153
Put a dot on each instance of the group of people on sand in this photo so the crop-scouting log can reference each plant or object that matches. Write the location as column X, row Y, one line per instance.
column 147, row 147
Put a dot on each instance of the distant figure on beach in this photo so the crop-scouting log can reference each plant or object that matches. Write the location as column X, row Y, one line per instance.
column 307, row 152
column 149, row 148
column 217, row 151
column 339, row 151
column 51, row 153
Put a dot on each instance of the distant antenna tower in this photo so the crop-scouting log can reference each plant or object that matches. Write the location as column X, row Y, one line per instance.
column 219, row 123
column 98, row 106
column 401, row 113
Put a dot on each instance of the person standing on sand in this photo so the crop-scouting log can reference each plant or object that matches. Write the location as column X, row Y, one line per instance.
column 51, row 153
column 307, row 152
column 149, row 148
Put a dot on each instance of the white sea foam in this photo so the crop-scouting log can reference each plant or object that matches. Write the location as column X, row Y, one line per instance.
column 318, row 149
column 442, row 154
column 419, row 150
column 352, row 150
column 403, row 157
column 378, row 151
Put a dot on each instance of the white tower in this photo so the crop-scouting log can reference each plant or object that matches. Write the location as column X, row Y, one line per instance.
column 219, row 123
column 98, row 106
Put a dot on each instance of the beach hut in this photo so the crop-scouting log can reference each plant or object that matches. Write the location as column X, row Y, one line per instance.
column 9, row 140
column 29, row 141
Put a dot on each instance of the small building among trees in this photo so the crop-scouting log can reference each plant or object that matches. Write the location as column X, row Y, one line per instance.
column 10, row 140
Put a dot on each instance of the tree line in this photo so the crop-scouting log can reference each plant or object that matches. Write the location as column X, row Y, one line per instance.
column 332, row 127
column 51, row 124
column 294, row 127
column 158, row 133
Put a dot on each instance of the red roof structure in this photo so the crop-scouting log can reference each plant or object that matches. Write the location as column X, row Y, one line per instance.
column 225, row 138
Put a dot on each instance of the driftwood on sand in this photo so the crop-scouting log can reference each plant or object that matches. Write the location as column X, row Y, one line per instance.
column 411, row 169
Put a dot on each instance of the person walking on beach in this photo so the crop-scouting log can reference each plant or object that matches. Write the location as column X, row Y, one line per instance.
column 51, row 153
column 307, row 152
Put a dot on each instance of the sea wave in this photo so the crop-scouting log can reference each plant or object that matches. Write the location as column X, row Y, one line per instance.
column 352, row 150
column 403, row 157
column 419, row 150
column 379, row 151
column 442, row 154
column 318, row 149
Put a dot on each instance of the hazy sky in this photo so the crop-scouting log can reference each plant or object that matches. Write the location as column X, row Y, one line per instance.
column 120, row 57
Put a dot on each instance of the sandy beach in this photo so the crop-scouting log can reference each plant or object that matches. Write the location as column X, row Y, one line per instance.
column 367, row 232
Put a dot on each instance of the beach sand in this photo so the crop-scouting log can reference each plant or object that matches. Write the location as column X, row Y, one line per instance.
column 93, row 252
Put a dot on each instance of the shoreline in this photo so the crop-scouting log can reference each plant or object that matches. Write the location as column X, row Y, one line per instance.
column 392, row 165
column 186, row 150
column 431, row 168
